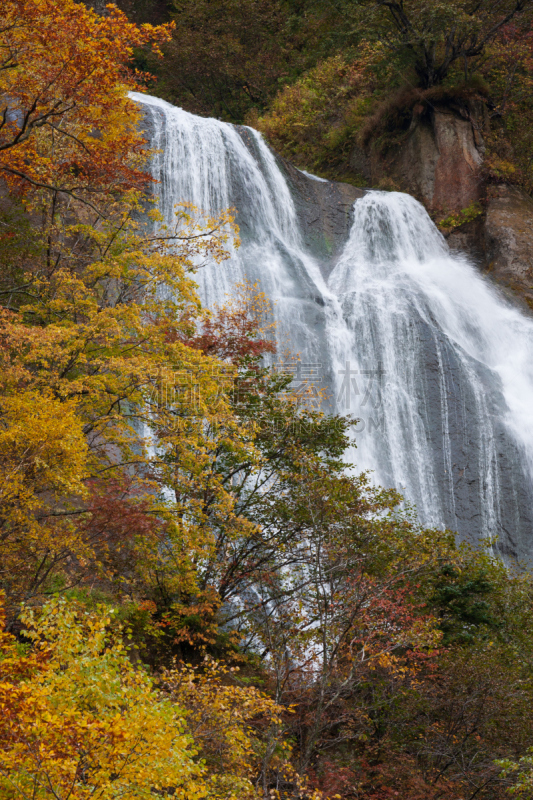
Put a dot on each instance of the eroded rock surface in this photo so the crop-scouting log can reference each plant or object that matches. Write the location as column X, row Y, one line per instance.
column 508, row 240
column 439, row 162
column 325, row 211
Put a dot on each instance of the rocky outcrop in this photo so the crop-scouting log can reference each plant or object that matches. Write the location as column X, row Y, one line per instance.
column 508, row 240
column 500, row 241
column 439, row 161
column 470, row 239
column 325, row 211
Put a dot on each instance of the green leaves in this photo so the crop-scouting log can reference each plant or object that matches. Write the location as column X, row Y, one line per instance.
column 459, row 597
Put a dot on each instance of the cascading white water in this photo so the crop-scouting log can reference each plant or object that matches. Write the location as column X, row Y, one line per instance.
column 211, row 165
column 411, row 338
column 454, row 425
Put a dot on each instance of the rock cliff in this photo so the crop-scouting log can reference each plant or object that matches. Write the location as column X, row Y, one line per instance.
column 508, row 240
column 440, row 161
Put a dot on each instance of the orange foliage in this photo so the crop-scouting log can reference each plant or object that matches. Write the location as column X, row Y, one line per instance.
column 66, row 122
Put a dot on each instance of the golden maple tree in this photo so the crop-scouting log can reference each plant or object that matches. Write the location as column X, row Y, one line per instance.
column 67, row 124
column 79, row 721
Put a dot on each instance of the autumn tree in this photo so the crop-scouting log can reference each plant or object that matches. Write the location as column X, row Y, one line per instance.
column 97, row 309
column 67, row 125
column 228, row 719
column 106, row 345
column 79, row 720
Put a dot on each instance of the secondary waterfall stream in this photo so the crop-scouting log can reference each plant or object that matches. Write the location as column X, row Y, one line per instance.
column 404, row 335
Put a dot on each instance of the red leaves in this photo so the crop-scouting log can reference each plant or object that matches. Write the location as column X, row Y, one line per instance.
column 120, row 524
column 235, row 332
column 120, row 510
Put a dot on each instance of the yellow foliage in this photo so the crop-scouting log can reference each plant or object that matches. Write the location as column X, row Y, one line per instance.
column 228, row 724
column 105, row 381
column 43, row 455
column 79, row 721
column 94, row 338
column 85, row 723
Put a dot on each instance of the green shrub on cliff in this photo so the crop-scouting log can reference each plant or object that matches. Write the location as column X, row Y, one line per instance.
column 328, row 83
column 316, row 121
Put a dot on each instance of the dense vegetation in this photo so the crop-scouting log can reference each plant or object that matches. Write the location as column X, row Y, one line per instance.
column 199, row 600
column 334, row 84
column 361, row 102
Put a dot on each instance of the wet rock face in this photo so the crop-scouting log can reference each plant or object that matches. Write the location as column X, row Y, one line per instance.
column 458, row 182
column 470, row 239
column 440, row 162
column 325, row 212
column 508, row 240
column 500, row 243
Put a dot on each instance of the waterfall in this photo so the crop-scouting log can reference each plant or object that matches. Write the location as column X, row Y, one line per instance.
column 216, row 166
column 453, row 420
column 405, row 335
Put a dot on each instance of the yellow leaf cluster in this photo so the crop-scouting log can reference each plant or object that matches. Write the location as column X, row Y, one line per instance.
column 78, row 721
